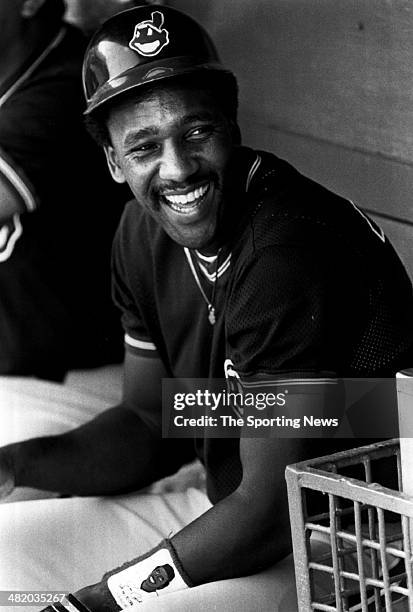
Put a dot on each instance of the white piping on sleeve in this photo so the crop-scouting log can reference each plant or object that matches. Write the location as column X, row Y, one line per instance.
column 290, row 382
column 140, row 344
column 20, row 186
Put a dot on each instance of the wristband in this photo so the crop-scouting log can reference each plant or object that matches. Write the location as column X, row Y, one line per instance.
column 158, row 572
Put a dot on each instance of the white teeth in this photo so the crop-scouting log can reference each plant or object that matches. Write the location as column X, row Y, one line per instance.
column 188, row 198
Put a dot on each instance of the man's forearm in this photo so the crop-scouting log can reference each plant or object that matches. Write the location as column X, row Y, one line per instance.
column 114, row 452
column 250, row 529
column 237, row 536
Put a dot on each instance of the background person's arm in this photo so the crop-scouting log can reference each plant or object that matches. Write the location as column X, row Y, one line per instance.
column 10, row 202
column 120, row 450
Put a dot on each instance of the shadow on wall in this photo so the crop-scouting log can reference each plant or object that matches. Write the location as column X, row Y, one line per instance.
column 89, row 14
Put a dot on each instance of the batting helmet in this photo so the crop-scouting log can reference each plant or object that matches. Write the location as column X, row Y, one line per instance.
column 143, row 45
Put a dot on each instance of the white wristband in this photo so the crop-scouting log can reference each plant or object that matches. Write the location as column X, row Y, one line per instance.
column 155, row 575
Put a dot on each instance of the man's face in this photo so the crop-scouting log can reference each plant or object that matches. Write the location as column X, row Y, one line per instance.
column 173, row 147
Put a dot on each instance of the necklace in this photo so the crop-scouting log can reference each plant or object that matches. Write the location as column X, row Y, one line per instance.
column 210, row 304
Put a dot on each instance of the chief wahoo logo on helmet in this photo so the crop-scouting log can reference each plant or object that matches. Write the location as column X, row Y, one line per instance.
column 149, row 38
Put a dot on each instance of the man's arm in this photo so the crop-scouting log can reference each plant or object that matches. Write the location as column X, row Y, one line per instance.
column 249, row 529
column 117, row 451
column 240, row 535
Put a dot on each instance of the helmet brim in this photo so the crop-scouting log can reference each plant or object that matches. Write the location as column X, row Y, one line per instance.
column 141, row 76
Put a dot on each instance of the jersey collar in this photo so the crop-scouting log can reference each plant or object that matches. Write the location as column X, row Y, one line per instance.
column 250, row 162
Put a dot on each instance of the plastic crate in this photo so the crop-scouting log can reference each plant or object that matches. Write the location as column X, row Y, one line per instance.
column 354, row 551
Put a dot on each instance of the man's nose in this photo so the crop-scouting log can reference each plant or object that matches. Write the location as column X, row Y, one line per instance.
column 176, row 163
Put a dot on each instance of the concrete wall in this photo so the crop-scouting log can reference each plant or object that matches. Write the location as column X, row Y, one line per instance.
column 328, row 84
column 88, row 14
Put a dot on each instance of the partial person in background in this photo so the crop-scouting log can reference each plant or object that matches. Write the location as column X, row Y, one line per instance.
column 58, row 209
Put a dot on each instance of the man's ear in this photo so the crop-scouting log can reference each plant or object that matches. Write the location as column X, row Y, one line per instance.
column 30, row 7
column 113, row 164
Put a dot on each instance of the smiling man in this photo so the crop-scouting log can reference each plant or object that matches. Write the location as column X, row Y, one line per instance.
column 227, row 261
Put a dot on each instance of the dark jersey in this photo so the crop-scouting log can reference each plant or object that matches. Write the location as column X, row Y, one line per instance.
column 305, row 284
column 55, row 304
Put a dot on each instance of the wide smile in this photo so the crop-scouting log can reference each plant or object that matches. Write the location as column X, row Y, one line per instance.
column 189, row 202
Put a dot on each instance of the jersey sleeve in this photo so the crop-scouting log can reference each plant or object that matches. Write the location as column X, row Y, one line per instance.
column 18, row 182
column 281, row 338
column 21, row 154
column 279, row 315
column 136, row 337
column 29, row 140
column 39, row 122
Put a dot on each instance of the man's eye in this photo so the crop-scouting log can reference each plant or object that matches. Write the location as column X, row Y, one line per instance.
column 200, row 132
column 143, row 150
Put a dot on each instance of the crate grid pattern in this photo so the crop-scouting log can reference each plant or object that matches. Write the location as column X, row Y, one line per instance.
column 355, row 533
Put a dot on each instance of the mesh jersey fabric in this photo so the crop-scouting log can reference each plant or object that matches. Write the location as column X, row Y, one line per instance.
column 336, row 296
column 313, row 286
column 55, row 303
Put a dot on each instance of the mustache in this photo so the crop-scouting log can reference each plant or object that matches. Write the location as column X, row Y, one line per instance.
column 193, row 181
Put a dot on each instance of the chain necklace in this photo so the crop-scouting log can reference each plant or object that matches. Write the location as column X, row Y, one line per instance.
column 210, row 304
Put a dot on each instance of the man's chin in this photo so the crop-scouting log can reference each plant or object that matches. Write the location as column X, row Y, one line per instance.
column 193, row 236
column 200, row 242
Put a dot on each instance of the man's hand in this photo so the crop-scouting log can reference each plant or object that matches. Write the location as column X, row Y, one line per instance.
column 6, row 474
column 155, row 573
column 95, row 598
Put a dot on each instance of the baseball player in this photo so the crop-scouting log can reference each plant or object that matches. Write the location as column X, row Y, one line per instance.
column 55, row 305
column 227, row 260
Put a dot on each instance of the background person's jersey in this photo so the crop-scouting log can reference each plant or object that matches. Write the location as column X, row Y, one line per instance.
column 55, row 302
